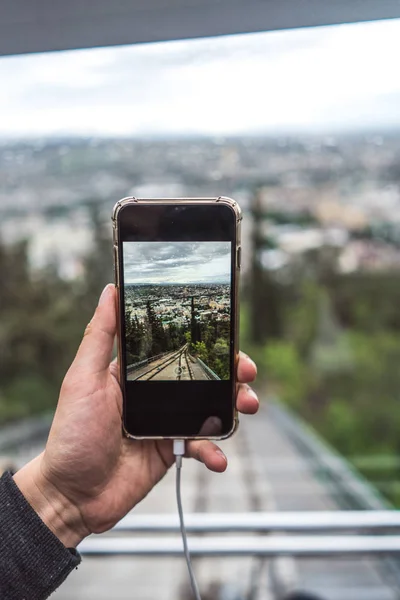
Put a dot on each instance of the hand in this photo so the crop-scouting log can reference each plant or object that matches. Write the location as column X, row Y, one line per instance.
column 89, row 475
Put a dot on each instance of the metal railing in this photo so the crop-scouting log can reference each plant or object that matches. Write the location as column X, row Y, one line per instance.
column 381, row 523
column 145, row 361
column 387, row 521
column 207, row 369
column 374, row 528
column 347, row 486
column 271, row 546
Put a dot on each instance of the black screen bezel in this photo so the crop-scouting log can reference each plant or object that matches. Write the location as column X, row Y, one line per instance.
column 170, row 221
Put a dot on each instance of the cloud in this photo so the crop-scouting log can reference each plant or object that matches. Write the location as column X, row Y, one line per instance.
column 177, row 262
column 268, row 82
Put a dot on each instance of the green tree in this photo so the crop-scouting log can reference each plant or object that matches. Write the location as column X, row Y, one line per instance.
column 158, row 340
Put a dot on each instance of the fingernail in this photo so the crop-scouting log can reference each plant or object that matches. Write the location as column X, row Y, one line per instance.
column 220, row 453
column 104, row 294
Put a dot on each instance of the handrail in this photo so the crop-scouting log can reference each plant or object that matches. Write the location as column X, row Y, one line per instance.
column 270, row 546
column 146, row 361
column 347, row 487
column 383, row 521
column 207, row 369
column 356, row 493
column 169, row 359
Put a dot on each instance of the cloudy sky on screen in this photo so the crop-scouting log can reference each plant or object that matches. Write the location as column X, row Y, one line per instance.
column 177, row 262
column 326, row 78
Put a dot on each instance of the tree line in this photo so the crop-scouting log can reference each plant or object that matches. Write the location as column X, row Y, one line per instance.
column 42, row 319
column 207, row 340
column 328, row 344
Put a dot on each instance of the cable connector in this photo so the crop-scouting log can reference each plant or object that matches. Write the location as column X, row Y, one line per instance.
column 179, row 451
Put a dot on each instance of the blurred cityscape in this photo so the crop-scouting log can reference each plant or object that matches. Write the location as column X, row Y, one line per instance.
column 171, row 302
column 321, row 258
column 326, row 189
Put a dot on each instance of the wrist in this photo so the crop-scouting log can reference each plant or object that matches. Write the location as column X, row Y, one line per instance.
column 61, row 516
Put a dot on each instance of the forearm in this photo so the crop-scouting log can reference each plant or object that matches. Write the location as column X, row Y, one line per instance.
column 33, row 560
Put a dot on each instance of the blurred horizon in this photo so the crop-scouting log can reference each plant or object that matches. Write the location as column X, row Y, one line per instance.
column 346, row 132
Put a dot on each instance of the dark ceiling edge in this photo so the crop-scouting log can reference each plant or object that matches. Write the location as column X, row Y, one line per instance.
column 51, row 31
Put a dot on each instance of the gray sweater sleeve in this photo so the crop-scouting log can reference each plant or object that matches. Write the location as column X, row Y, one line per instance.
column 33, row 561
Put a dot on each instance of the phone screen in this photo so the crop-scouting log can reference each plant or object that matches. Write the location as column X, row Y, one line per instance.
column 177, row 282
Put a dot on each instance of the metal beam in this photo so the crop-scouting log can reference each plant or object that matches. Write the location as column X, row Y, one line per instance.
column 244, row 546
column 387, row 520
column 45, row 25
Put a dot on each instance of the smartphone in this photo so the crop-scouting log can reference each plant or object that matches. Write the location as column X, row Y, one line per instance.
column 177, row 265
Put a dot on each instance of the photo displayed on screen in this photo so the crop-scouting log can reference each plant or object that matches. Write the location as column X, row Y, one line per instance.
column 177, row 310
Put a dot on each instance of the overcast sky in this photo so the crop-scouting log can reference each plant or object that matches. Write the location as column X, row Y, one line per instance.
column 340, row 77
column 177, row 262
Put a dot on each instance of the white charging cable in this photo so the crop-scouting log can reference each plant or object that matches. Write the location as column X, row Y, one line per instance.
column 179, row 451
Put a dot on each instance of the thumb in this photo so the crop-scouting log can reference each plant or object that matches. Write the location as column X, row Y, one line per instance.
column 95, row 352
